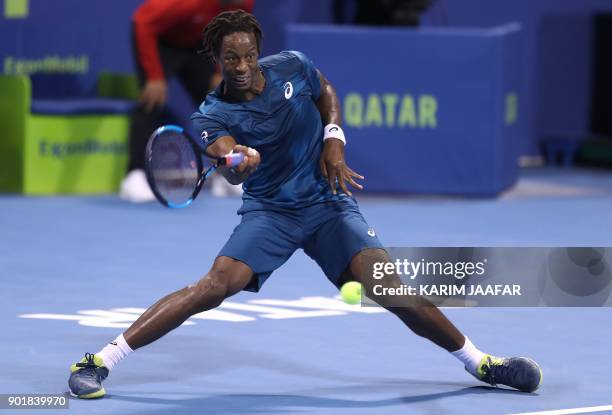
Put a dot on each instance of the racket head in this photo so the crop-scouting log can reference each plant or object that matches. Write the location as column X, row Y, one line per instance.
column 174, row 166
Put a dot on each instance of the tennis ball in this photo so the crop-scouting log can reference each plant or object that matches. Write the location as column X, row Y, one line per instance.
column 351, row 292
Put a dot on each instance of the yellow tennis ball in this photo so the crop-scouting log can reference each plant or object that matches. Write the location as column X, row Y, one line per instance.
column 351, row 292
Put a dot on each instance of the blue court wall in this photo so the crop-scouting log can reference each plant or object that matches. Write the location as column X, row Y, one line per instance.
column 557, row 66
column 428, row 111
column 555, row 38
column 556, row 41
column 68, row 37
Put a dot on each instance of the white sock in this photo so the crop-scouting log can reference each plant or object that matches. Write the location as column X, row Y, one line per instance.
column 114, row 352
column 469, row 355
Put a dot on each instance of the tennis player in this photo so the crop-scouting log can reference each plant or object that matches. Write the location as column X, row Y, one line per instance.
column 284, row 115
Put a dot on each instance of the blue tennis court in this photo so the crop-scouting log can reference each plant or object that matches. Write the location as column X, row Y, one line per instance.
column 76, row 271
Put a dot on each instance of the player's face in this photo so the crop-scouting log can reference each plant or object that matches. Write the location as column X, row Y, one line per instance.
column 238, row 60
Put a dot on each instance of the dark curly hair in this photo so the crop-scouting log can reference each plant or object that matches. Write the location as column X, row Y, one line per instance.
column 227, row 23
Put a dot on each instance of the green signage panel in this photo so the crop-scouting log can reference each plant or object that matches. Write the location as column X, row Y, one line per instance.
column 16, row 9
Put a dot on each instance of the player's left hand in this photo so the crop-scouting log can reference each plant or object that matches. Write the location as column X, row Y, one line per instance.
column 334, row 167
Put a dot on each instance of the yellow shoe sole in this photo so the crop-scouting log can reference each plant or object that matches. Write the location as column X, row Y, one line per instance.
column 93, row 395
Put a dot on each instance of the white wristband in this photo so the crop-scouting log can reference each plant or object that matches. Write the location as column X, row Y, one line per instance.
column 334, row 131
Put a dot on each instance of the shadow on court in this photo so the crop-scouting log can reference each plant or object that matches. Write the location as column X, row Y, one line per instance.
column 282, row 403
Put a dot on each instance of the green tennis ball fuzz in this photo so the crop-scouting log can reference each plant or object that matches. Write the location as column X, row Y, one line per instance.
column 351, row 292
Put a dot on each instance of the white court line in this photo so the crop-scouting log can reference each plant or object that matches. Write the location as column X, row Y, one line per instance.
column 585, row 410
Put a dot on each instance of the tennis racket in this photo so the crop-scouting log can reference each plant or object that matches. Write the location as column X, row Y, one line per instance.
column 174, row 164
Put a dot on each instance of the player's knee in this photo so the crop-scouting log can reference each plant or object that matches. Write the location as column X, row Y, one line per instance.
column 210, row 291
column 364, row 264
column 224, row 279
column 235, row 274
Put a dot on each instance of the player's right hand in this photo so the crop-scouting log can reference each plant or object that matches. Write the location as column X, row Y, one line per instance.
column 251, row 160
column 154, row 94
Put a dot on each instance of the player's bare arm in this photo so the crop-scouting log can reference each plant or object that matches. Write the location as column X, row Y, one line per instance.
column 236, row 175
column 332, row 160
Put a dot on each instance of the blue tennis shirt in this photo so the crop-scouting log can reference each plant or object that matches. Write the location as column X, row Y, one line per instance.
column 284, row 125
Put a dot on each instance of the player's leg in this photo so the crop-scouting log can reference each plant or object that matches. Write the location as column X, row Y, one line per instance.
column 226, row 277
column 419, row 314
column 262, row 242
column 345, row 247
column 426, row 320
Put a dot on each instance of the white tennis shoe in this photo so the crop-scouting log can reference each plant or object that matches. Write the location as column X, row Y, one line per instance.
column 135, row 188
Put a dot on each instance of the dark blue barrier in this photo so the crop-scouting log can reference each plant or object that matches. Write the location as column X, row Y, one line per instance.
column 72, row 39
column 86, row 37
column 425, row 111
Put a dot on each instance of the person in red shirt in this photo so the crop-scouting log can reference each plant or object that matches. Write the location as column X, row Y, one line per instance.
column 166, row 37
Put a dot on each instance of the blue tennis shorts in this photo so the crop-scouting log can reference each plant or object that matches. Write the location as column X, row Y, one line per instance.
column 331, row 233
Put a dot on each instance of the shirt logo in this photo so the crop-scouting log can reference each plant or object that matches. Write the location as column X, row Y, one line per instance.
column 205, row 136
column 371, row 232
column 288, row 87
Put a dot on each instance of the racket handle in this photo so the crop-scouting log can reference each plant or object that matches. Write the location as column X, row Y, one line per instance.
column 232, row 159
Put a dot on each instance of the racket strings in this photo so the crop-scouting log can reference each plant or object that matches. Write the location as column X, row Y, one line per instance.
column 175, row 167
